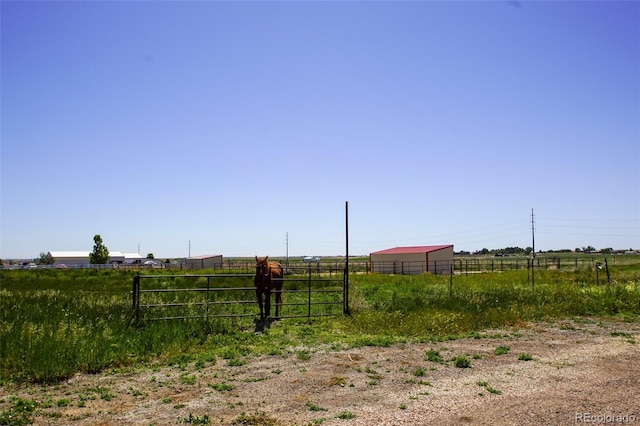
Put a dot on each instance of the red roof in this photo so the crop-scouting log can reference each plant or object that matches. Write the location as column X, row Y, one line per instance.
column 413, row 249
column 205, row 256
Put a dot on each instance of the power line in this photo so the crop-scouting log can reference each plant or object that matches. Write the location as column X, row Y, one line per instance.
column 586, row 220
column 591, row 227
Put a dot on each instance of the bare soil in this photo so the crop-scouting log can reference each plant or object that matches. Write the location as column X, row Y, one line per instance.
column 585, row 371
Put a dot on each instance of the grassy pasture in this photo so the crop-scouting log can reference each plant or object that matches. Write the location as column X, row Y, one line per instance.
column 55, row 323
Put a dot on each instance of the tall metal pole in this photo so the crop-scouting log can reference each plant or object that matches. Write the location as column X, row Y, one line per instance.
column 533, row 248
column 346, row 262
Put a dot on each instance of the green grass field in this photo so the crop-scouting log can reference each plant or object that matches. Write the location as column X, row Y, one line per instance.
column 55, row 323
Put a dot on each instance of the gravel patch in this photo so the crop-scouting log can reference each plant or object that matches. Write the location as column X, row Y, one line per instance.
column 562, row 372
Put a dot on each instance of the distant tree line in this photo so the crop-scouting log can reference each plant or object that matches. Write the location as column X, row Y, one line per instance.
column 499, row 252
column 509, row 251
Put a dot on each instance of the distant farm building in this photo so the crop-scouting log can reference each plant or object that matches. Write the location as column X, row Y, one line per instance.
column 204, row 262
column 80, row 259
column 133, row 258
column 413, row 260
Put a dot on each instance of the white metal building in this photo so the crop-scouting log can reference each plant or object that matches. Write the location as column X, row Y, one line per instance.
column 413, row 260
column 133, row 258
column 80, row 259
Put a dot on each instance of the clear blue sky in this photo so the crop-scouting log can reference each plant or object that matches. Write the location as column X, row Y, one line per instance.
column 231, row 124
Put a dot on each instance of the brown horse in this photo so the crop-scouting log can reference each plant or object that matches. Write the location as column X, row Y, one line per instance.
column 268, row 277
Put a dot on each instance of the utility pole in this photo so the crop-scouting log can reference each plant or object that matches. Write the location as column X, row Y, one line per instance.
column 189, row 249
column 533, row 249
column 287, row 242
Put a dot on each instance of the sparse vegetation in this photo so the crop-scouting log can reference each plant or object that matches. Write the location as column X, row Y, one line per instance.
column 337, row 381
column 502, row 350
column 257, row 419
column 433, row 356
column 103, row 393
column 346, row 415
column 20, row 412
column 303, row 355
column 222, row 387
column 312, row 406
column 462, row 362
column 419, row 372
column 195, row 420
column 489, row 388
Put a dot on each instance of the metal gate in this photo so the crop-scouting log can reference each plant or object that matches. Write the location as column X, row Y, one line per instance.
column 308, row 291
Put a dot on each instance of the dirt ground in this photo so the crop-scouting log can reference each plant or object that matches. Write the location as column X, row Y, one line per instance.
column 585, row 371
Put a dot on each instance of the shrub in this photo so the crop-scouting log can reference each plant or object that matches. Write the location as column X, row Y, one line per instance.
column 419, row 372
column 489, row 388
column 312, row 406
column 346, row 415
column 502, row 350
column 433, row 356
column 462, row 362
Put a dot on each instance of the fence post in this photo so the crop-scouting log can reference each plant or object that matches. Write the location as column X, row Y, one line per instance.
column 345, row 293
column 136, row 297
column 533, row 272
column 451, row 283
column 206, row 313
column 606, row 264
column 309, row 307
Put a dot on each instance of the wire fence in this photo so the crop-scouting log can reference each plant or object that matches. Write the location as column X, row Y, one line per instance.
column 461, row 265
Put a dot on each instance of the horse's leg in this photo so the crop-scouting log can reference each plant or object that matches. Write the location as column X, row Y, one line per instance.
column 267, row 302
column 259, row 296
column 278, row 300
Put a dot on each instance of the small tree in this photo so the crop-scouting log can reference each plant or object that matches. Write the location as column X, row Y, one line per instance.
column 100, row 254
column 45, row 259
column 150, row 256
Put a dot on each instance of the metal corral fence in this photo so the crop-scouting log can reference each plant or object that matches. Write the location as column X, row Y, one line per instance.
column 461, row 264
column 305, row 293
column 497, row 264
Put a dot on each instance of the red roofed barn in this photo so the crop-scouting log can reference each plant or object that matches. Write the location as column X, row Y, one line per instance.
column 413, row 260
column 204, row 262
